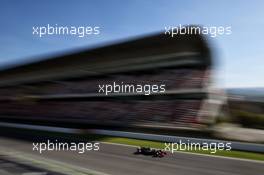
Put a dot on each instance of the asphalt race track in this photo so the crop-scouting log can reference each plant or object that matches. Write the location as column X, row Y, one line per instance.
column 13, row 167
column 120, row 160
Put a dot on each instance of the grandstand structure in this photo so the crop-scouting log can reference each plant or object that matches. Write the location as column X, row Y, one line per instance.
column 64, row 88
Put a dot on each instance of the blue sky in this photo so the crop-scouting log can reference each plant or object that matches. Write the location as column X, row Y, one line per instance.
column 241, row 62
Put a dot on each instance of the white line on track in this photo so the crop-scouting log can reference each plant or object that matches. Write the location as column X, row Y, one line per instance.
column 198, row 154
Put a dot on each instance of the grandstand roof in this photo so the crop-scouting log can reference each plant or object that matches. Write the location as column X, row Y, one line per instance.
column 158, row 50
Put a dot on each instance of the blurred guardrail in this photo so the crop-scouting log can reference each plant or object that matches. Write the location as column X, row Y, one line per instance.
column 242, row 146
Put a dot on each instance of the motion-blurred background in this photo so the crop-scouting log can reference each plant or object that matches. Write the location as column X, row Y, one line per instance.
column 49, row 86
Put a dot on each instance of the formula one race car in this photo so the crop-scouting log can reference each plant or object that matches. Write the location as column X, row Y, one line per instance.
column 150, row 151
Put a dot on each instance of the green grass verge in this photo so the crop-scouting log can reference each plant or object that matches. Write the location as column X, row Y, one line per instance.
column 160, row 145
